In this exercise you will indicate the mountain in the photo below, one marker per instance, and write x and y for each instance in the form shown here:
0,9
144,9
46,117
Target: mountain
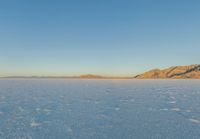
176,72
90,76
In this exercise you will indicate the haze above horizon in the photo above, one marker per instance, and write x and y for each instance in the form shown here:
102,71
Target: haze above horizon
105,37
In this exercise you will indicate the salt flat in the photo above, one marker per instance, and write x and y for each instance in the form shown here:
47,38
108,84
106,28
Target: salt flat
99,109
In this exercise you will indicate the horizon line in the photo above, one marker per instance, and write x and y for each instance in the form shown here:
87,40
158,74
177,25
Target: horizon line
82,76
87,75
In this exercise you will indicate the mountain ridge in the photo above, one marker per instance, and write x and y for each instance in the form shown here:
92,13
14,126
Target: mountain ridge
175,72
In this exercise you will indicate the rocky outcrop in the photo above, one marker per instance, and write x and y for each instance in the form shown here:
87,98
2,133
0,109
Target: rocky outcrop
177,72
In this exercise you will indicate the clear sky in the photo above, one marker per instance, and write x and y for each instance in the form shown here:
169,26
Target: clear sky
107,37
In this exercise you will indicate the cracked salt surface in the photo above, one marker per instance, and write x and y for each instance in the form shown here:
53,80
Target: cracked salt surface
164,109
195,121
99,109
172,102
175,109
69,130
34,124
117,109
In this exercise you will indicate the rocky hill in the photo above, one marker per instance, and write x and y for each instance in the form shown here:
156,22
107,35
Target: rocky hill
177,72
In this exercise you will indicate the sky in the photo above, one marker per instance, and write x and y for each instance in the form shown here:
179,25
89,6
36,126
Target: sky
105,37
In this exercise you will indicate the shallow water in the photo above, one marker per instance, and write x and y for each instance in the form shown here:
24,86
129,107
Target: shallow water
99,109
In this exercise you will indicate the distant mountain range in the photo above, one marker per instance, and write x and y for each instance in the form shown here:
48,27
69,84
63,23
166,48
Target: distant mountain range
176,72
84,76
92,76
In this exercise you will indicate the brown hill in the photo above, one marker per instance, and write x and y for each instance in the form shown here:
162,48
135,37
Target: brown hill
177,72
90,76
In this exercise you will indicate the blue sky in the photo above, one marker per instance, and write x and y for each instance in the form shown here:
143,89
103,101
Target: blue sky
107,37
